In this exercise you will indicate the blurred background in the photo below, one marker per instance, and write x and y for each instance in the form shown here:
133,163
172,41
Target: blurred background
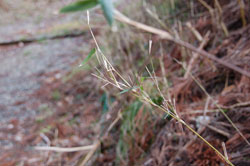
48,100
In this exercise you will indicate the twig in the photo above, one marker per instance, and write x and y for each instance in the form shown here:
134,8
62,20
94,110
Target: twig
165,35
98,142
220,12
59,149
195,55
224,149
210,9
195,32
119,116
91,153
156,17
199,112
243,104
242,12
217,130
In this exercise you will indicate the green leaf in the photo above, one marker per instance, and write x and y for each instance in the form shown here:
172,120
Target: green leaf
167,116
129,89
104,102
158,100
142,79
107,7
79,6
141,87
91,53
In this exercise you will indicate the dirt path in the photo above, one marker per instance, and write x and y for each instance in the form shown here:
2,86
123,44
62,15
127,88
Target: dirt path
23,67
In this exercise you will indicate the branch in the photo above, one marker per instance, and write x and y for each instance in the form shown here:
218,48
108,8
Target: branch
59,149
165,35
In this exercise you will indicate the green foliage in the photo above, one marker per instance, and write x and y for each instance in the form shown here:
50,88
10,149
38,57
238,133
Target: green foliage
79,6
56,95
129,115
46,129
158,100
128,90
105,103
168,117
225,110
128,128
91,53
107,7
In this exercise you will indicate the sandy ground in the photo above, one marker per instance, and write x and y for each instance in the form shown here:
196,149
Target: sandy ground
24,66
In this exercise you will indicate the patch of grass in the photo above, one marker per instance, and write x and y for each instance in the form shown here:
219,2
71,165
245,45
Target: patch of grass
56,95
127,130
46,111
46,129
27,52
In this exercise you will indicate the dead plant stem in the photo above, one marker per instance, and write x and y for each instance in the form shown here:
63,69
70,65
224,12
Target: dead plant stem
165,35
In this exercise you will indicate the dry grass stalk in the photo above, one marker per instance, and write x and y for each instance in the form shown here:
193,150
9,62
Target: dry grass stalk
90,154
189,112
195,32
223,26
168,106
195,55
224,149
243,104
156,17
210,9
217,130
242,12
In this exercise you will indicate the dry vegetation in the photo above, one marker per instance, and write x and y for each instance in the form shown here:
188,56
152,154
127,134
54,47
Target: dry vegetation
126,129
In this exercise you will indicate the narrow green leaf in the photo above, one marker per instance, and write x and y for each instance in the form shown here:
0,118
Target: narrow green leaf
105,103
79,6
167,116
91,53
142,79
107,7
129,89
141,87
125,91
158,100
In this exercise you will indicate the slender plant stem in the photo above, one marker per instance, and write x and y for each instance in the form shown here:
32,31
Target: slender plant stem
192,130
